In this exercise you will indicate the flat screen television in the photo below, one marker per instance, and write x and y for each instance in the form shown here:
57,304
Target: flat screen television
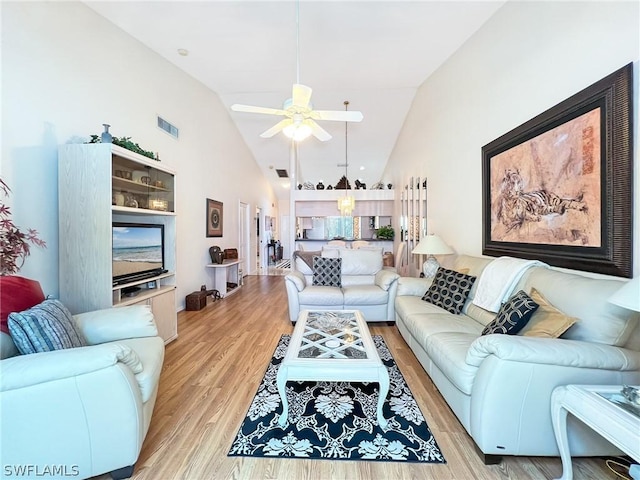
138,251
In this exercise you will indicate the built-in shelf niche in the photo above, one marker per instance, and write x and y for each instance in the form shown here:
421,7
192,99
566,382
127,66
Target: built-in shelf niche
412,223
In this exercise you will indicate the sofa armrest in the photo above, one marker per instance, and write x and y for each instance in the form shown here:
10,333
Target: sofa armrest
26,370
411,286
385,278
111,324
297,278
553,351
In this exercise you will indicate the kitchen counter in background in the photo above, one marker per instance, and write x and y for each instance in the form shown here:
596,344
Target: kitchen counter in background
315,245
309,244
325,240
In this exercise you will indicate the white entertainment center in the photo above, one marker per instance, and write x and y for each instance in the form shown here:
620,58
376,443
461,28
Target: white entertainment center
99,184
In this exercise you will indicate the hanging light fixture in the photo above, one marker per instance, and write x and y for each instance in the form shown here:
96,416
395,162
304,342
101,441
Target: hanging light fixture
299,129
347,203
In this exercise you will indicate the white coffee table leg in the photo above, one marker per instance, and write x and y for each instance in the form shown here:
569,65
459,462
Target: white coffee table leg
281,381
383,379
559,419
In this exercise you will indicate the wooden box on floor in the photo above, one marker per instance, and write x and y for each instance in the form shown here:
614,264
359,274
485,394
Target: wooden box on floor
196,300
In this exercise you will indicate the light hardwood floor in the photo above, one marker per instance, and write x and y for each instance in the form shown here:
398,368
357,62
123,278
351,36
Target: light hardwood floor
213,370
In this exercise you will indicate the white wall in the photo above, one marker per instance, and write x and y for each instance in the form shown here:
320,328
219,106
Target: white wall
65,71
527,58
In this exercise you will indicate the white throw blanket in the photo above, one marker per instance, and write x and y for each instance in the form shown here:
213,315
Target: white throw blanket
498,280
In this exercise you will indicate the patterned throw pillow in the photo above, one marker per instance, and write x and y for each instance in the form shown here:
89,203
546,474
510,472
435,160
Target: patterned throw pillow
513,315
449,290
326,271
47,326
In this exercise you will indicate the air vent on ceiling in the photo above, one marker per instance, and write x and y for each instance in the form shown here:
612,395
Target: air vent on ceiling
282,173
167,127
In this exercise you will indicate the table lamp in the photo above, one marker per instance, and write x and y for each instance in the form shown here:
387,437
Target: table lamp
431,245
628,296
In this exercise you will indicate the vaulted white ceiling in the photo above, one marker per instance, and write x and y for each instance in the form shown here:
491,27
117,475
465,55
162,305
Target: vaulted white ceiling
375,54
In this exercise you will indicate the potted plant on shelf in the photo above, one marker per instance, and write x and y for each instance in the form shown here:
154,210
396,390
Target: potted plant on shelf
126,142
385,233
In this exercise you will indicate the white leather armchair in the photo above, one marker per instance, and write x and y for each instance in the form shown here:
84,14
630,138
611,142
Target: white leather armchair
85,411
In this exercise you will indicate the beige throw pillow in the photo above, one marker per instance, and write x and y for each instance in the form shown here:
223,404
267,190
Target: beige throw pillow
547,321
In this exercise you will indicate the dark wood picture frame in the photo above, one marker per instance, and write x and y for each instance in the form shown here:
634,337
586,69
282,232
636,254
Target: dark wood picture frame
214,218
514,201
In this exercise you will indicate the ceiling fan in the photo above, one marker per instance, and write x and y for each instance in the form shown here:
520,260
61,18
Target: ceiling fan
300,121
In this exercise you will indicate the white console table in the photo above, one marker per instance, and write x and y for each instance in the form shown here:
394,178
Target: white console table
593,405
225,273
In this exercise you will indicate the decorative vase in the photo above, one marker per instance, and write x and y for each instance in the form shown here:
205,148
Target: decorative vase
320,186
118,198
106,137
130,202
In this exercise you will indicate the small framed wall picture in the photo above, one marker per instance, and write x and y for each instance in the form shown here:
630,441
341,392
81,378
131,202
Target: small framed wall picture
214,218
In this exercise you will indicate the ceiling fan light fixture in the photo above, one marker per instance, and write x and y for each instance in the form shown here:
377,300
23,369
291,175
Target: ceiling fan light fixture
297,131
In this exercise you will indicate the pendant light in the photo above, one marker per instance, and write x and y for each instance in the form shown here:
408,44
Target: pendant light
347,203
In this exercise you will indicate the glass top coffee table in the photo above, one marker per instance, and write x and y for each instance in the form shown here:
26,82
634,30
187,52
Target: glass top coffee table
332,346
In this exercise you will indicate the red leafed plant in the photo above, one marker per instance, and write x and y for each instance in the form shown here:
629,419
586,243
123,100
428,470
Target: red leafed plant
15,245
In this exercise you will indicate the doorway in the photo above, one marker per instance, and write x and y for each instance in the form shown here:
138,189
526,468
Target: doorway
244,238
258,237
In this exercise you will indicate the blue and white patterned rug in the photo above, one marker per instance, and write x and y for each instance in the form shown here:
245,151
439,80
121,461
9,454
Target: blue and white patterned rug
336,420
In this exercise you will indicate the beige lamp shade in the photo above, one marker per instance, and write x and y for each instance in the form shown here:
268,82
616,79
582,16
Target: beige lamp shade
432,245
628,296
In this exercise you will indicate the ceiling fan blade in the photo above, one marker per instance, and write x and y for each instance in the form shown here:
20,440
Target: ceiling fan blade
346,116
252,109
276,128
301,95
317,131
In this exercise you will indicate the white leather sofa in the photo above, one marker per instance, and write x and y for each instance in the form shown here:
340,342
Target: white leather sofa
499,386
84,411
366,286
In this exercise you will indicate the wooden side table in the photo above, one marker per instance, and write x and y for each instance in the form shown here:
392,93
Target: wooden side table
595,406
226,277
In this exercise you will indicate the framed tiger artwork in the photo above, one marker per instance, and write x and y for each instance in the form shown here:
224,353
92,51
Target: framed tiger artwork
559,188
